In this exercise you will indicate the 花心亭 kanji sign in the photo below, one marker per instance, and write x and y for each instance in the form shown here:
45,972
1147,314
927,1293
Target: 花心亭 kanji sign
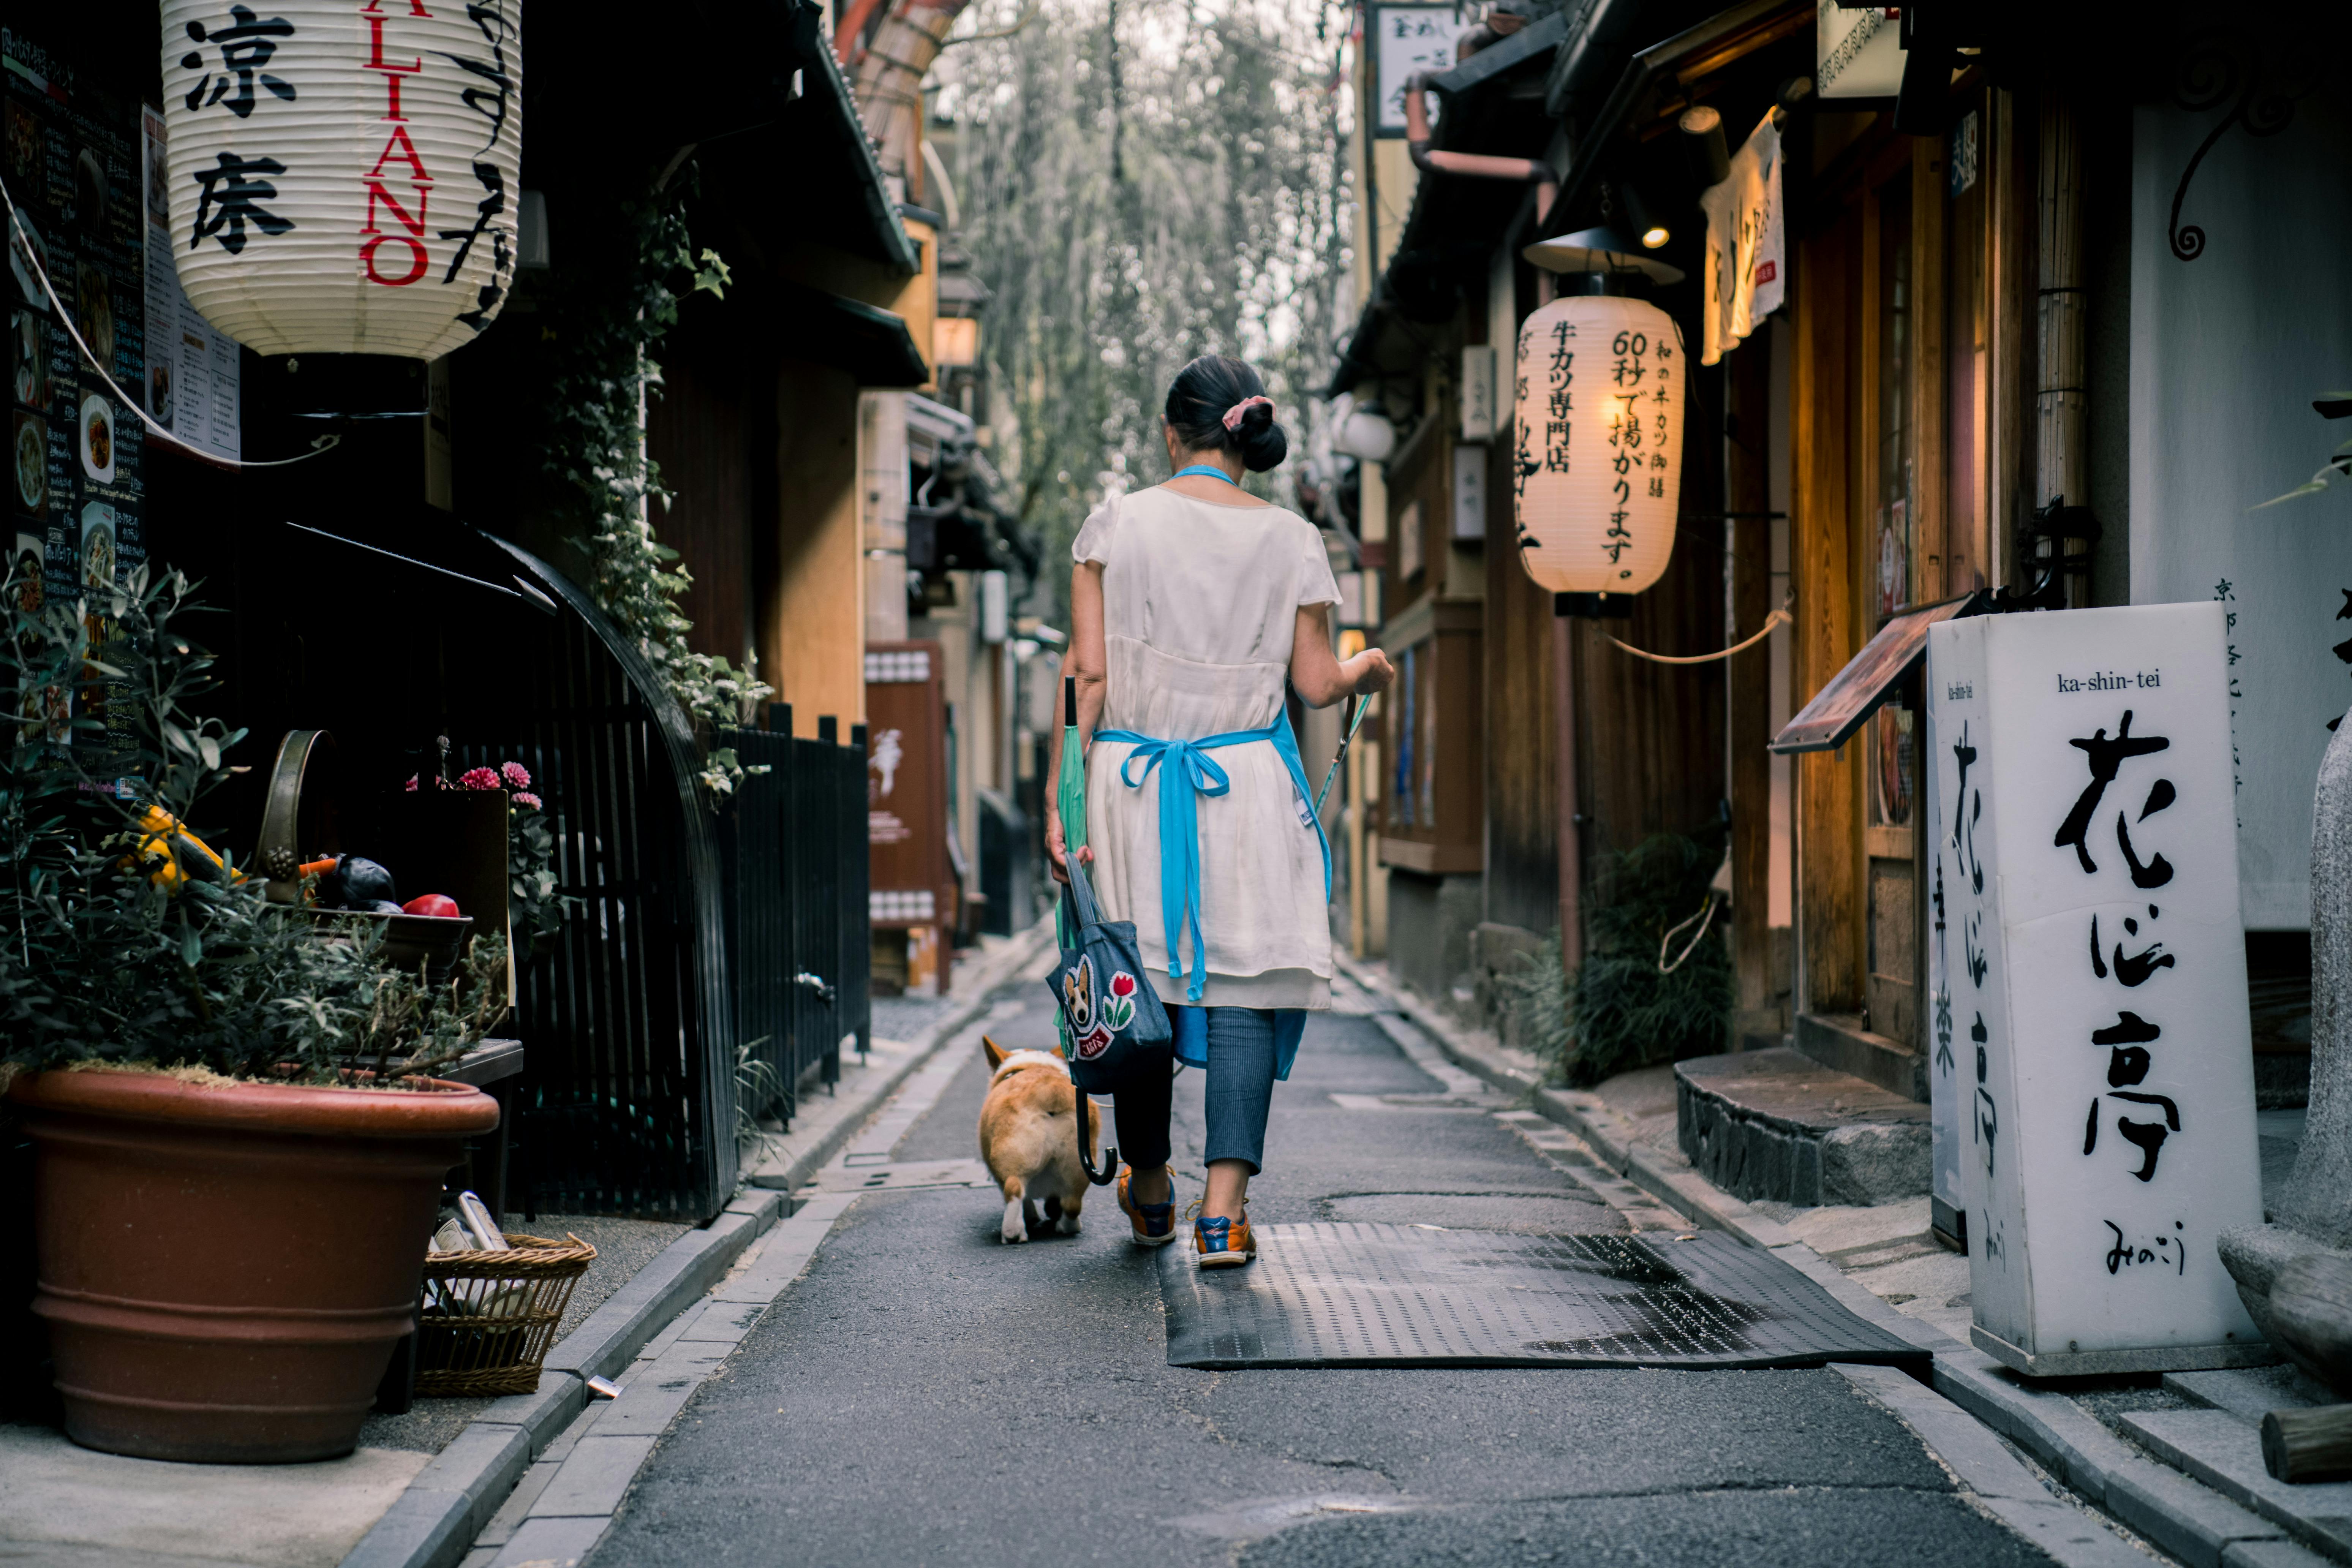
2091,1033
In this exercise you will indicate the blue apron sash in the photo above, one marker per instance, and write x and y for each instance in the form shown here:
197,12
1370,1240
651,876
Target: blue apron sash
1186,770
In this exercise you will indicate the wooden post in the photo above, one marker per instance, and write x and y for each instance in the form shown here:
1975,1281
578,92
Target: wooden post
1930,449
1829,827
1571,851
2010,216
1747,713
2061,420
2313,1445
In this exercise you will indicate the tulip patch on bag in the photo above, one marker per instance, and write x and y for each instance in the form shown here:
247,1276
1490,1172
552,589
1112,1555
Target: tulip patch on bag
1119,1008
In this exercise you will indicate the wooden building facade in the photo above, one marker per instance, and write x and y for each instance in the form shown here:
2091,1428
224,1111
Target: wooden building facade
2051,321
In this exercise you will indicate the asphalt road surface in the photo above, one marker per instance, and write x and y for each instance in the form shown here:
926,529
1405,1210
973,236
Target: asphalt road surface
928,1395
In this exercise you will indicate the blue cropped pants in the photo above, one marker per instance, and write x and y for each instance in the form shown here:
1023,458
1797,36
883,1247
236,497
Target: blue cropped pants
1239,1095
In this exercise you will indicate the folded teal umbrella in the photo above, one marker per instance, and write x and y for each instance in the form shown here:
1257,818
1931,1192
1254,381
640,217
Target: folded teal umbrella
1363,706
1070,801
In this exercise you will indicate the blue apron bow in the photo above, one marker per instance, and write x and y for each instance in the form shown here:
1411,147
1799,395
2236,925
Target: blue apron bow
1185,771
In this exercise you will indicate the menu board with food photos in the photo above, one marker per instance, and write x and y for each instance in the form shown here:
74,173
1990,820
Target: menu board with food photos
192,365
71,163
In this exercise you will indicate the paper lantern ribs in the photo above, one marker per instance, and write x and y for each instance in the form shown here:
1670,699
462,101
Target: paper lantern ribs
1596,465
344,178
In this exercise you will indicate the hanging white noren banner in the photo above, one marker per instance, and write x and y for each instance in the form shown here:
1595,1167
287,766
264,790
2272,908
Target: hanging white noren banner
1744,277
1597,427
345,177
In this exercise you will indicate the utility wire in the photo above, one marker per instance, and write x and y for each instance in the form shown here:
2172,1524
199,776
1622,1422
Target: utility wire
21,233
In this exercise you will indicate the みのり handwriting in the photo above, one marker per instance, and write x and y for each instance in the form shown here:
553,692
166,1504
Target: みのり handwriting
2168,1251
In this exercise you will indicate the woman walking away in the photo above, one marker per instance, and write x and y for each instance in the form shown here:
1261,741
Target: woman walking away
1189,603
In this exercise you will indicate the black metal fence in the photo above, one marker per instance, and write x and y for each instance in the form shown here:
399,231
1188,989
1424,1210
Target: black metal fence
703,940
793,860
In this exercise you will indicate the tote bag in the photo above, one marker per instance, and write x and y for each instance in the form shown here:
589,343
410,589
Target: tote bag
1107,1007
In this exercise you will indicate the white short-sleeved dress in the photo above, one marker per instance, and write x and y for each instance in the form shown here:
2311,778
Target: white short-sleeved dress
1201,601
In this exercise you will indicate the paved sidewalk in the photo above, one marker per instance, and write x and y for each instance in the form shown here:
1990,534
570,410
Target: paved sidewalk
422,1484
827,1121
66,1507
2176,1458
526,1459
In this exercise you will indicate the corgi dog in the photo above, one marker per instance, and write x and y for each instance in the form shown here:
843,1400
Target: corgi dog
1027,1142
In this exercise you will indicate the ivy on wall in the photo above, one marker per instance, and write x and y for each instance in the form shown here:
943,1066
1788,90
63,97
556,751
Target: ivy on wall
604,319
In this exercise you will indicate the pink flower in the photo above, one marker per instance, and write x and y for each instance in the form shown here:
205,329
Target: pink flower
526,800
477,778
515,775
411,783
1122,984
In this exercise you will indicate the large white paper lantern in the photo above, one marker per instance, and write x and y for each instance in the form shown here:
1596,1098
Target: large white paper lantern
345,177
1598,434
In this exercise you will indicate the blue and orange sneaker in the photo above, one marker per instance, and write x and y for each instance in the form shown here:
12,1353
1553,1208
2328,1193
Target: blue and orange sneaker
1152,1225
1223,1243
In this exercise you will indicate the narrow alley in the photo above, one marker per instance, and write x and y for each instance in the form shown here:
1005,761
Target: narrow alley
1653,692
928,1395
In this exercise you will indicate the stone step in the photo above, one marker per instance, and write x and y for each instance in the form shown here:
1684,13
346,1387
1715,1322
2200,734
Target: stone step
1840,1040
1778,1125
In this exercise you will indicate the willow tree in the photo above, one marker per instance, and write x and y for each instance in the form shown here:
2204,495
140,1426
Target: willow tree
1142,183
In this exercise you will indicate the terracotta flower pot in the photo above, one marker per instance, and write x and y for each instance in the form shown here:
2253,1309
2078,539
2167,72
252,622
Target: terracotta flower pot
224,1269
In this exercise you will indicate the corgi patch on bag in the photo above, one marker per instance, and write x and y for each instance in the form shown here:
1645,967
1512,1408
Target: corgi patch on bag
1095,1018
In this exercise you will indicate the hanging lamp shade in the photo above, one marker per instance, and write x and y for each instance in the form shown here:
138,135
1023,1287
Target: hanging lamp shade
345,177
1600,249
1599,433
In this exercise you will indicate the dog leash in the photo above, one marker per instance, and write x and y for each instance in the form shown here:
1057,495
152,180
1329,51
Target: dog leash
1363,706
1109,1168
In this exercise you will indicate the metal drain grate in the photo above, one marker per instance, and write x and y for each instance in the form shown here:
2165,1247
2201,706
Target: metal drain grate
1364,1295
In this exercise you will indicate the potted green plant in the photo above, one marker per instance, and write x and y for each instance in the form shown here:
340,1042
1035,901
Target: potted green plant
238,1142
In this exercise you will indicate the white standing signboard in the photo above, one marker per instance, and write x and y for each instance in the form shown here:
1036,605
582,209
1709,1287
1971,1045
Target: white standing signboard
2096,970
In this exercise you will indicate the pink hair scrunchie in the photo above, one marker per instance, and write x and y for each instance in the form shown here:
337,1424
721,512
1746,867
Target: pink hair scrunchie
1234,415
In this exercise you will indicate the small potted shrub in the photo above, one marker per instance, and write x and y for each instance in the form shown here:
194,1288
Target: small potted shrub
238,1142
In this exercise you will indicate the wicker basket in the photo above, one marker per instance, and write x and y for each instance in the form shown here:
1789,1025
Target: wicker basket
490,1317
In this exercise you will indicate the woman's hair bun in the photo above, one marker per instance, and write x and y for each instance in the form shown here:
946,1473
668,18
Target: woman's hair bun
1259,439
1209,388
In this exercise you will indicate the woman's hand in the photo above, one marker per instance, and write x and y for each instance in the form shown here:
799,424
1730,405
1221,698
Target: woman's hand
1318,673
1368,671
1057,848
